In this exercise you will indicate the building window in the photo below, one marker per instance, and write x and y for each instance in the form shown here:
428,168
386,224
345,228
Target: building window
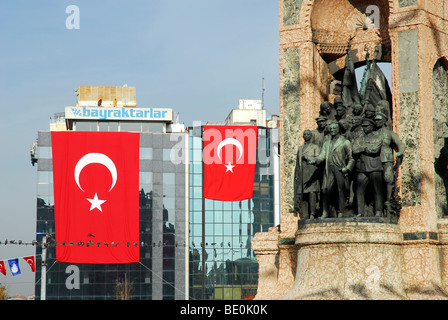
145,153
44,152
86,125
130,126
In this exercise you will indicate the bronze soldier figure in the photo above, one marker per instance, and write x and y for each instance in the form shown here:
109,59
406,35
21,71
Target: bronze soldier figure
319,135
390,142
368,166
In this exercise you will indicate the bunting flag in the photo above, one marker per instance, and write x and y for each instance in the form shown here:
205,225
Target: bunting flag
2,268
14,266
30,261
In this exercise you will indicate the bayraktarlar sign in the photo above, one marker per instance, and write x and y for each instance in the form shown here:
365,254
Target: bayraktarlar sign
119,113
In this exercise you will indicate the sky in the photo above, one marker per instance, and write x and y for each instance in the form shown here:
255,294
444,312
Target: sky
198,57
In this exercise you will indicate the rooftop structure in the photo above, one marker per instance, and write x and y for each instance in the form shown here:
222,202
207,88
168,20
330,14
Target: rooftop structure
105,96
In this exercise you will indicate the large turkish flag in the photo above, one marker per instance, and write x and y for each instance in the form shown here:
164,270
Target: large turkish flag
229,157
96,196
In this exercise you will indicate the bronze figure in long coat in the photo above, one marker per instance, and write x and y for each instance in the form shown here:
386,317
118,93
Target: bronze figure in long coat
306,178
336,153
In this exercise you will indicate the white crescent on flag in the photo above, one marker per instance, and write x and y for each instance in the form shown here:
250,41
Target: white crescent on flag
230,141
101,159
96,158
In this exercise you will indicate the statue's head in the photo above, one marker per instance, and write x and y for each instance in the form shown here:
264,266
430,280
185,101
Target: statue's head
367,125
325,107
333,128
357,109
356,121
369,110
337,101
307,134
340,109
380,119
321,122
344,124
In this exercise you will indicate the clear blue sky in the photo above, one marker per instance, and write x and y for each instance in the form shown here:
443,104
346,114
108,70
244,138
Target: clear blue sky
198,57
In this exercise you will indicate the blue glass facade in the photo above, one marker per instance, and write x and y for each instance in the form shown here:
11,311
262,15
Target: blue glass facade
222,263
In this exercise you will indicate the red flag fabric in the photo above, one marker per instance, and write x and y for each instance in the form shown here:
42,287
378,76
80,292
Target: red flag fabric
30,261
96,196
229,157
2,267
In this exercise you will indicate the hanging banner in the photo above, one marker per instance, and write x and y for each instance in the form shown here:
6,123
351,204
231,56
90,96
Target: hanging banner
96,196
229,157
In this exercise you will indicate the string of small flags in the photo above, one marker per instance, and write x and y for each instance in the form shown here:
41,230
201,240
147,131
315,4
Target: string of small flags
14,265
113,244
93,243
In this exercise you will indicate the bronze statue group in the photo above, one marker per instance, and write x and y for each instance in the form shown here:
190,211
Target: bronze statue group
349,163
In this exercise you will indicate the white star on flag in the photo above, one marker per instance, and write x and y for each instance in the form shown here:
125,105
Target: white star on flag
229,167
96,203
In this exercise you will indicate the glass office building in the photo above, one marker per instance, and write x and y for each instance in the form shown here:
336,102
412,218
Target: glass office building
190,247
161,272
222,264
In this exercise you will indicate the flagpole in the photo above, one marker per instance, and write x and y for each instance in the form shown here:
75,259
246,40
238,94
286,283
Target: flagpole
43,279
204,274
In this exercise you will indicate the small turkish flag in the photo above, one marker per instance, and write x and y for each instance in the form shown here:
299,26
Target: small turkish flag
96,196
229,157
30,261
2,268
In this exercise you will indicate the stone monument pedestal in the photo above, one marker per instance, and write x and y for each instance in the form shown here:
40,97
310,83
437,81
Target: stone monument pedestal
353,258
365,258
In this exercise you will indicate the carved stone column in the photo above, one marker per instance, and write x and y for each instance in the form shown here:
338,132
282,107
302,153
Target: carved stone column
266,248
